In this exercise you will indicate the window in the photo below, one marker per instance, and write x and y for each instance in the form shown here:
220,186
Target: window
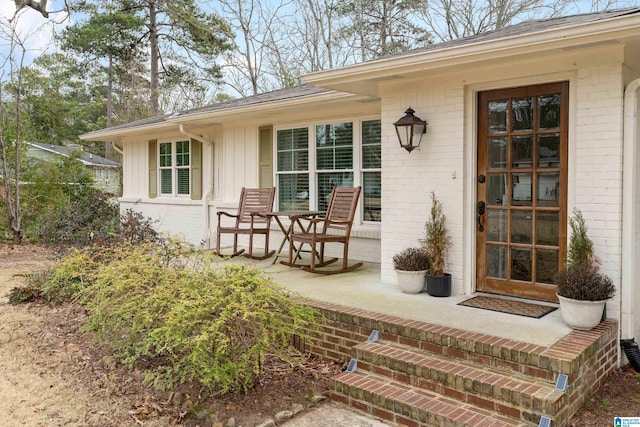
293,168
173,163
371,170
334,160
312,160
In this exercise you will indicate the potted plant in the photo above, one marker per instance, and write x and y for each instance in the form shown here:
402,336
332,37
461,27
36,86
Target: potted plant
411,266
582,290
436,245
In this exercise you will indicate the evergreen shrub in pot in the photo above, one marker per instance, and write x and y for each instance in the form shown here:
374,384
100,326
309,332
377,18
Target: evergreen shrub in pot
436,244
411,267
581,289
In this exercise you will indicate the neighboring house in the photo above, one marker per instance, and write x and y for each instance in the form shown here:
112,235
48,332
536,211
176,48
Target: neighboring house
533,120
105,172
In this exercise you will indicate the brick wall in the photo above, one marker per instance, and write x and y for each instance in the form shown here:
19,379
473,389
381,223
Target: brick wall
597,175
409,179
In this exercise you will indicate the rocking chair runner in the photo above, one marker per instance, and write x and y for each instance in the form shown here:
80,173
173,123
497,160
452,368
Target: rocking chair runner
334,228
251,219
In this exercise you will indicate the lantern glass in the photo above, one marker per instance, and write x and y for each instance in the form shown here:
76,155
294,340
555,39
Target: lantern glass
410,130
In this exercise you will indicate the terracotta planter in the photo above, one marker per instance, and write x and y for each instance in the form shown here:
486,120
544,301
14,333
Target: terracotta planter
411,282
439,286
581,315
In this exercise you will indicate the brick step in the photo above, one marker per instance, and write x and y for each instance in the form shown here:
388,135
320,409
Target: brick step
520,397
410,406
504,354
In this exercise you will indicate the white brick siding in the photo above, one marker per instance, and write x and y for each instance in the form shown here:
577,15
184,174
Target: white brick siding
597,177
409,178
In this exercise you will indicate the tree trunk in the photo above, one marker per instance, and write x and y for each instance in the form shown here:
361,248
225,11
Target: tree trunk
153,42
107,144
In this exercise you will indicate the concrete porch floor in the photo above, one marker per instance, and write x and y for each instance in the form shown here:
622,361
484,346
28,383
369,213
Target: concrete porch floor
364,289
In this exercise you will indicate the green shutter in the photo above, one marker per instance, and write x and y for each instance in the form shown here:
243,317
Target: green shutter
265,141
153,168
196,170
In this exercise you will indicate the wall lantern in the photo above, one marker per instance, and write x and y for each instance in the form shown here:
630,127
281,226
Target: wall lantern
410,130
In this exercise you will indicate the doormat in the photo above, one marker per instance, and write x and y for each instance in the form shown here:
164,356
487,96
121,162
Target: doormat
518,308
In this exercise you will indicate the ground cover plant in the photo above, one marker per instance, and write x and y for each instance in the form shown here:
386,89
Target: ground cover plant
183,315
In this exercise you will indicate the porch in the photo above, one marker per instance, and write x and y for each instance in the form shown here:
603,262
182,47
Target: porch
438,363
363,289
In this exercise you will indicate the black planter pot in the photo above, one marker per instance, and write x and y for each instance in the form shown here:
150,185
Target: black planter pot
439,286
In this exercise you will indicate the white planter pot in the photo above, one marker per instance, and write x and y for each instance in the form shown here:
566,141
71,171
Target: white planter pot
581,315
411,282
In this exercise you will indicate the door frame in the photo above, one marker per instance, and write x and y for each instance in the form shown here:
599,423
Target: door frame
473,112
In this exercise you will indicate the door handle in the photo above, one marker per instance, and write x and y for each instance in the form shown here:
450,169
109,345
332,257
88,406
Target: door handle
481,210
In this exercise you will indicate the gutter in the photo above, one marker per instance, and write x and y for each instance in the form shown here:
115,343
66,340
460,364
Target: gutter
118,149
631,130
205,196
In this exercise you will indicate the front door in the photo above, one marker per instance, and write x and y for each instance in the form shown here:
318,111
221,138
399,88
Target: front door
521,219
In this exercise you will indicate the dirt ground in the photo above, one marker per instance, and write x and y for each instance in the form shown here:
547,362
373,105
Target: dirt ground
53,375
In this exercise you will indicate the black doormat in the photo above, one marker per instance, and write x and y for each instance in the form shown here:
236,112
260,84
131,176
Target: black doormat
509,306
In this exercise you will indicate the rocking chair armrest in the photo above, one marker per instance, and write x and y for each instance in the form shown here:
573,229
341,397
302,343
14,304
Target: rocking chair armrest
318,220
220,213
261,215
339,222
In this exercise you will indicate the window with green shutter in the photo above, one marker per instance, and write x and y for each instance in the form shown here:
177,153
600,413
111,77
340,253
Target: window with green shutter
174,168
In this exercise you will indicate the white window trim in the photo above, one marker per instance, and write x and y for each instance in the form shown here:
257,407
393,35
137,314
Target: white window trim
174,169
357,169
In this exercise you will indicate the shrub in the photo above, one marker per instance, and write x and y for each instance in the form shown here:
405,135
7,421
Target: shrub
411,259
187,321
69,277
582,283
135,228
580,252
437,240
30,292
87,216
581,279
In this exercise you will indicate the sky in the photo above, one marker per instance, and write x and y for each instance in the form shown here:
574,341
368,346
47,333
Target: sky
35,30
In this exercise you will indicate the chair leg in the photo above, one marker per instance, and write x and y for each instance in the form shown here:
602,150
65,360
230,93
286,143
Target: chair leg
345,254
251,245
218,241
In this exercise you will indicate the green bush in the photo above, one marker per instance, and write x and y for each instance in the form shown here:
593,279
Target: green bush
210,323
88,216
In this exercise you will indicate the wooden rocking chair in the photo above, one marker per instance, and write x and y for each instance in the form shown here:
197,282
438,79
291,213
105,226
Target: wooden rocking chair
251,219
334,228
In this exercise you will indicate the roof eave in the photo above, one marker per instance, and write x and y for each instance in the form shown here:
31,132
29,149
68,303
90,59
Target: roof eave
116,135
215,116
558,38
224,114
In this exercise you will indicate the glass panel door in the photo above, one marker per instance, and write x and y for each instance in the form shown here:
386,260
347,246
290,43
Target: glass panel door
521,189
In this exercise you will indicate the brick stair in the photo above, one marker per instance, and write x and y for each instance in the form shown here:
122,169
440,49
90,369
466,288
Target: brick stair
437,379
409,406
422,374
521,397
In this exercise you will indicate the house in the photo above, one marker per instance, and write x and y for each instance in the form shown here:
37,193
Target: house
530,121
105,172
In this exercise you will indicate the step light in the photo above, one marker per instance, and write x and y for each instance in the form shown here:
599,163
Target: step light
374,336
353,366
544,422
562,382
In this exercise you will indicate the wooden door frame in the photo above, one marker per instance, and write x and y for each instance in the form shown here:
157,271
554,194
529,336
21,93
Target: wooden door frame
524,289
